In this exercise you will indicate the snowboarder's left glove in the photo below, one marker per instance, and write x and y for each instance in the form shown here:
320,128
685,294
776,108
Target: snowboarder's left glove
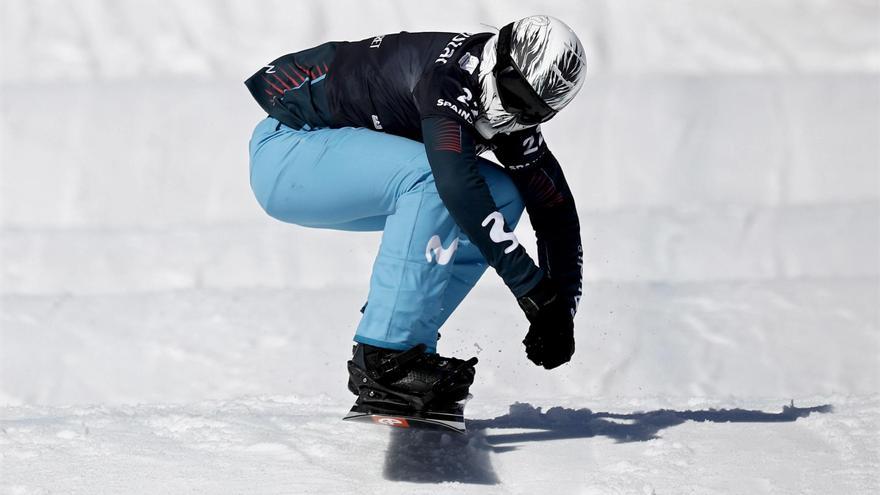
550,340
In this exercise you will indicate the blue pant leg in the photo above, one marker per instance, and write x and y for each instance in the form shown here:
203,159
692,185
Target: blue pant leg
357,179
411,271
426,265
268,149
342,179
469,263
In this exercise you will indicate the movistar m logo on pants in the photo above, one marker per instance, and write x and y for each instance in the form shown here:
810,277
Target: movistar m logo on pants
435,250
497,232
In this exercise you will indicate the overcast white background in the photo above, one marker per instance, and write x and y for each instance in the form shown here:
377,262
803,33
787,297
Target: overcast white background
725,158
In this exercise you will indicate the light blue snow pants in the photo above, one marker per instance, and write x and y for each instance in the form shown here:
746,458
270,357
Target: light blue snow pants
357,179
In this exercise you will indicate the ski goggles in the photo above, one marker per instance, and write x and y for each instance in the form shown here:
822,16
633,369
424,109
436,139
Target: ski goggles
517,96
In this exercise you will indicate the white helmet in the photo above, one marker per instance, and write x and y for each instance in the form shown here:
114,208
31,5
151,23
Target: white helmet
528,72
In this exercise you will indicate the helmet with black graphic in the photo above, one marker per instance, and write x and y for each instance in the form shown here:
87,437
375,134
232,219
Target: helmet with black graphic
529,71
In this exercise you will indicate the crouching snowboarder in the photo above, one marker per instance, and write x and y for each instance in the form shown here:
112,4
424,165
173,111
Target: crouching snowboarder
386,134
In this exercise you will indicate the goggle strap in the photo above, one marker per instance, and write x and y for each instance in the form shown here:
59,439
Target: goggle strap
502,55
503,60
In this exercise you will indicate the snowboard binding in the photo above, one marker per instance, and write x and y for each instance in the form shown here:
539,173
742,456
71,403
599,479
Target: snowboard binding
410,379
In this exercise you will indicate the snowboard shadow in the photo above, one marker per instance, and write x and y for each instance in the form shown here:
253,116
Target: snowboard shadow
421,456
435,457
563,423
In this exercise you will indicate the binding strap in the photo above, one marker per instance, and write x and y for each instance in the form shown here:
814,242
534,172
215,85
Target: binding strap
394,364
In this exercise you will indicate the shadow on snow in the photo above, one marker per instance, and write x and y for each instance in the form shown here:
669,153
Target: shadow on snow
435,457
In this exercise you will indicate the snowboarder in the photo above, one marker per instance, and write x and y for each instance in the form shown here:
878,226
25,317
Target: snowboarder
386,134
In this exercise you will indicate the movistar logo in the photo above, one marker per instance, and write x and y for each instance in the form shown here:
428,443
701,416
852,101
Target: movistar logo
435,250
497,232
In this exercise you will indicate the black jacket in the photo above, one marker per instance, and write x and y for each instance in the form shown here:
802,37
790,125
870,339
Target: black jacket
424,86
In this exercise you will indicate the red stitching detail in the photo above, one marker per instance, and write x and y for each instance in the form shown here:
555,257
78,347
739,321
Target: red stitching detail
281,81
280,91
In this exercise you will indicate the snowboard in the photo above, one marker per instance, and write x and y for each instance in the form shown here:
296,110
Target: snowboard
449,418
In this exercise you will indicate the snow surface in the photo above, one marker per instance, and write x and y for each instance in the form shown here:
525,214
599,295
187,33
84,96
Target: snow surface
160,334
293,444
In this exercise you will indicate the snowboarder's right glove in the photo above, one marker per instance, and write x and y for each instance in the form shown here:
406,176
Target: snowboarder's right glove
550,340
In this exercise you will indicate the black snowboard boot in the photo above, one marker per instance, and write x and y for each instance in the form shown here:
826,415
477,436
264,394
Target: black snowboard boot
410,378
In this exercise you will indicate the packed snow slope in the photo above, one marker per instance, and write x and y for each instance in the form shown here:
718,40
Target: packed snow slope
160,334
289,444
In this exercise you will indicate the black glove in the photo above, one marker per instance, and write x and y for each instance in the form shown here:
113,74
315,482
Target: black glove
550,341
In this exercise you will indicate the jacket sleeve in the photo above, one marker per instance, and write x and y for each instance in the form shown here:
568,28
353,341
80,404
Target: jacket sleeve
551,208
451,150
